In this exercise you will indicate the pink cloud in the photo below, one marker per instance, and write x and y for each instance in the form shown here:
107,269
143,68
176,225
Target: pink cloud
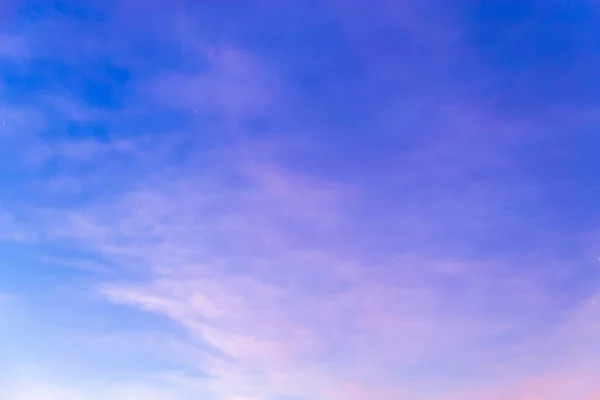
260,271
288,317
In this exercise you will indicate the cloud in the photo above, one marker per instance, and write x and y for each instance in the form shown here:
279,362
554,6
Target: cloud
13,47
30,390
236,85
284,314
308,233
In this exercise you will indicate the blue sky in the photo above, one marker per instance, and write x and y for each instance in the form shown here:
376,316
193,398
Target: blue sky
299,200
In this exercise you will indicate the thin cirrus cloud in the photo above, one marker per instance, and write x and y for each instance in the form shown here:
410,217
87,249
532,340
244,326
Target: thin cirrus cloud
332,201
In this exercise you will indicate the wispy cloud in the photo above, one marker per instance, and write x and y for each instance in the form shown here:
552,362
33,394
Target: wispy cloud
354,215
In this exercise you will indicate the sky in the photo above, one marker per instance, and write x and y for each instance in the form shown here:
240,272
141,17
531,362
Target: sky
299,200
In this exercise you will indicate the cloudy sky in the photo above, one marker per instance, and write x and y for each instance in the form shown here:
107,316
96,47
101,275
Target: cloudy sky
299,200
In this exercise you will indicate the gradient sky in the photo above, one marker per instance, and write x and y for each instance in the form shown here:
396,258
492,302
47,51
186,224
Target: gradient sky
300,200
